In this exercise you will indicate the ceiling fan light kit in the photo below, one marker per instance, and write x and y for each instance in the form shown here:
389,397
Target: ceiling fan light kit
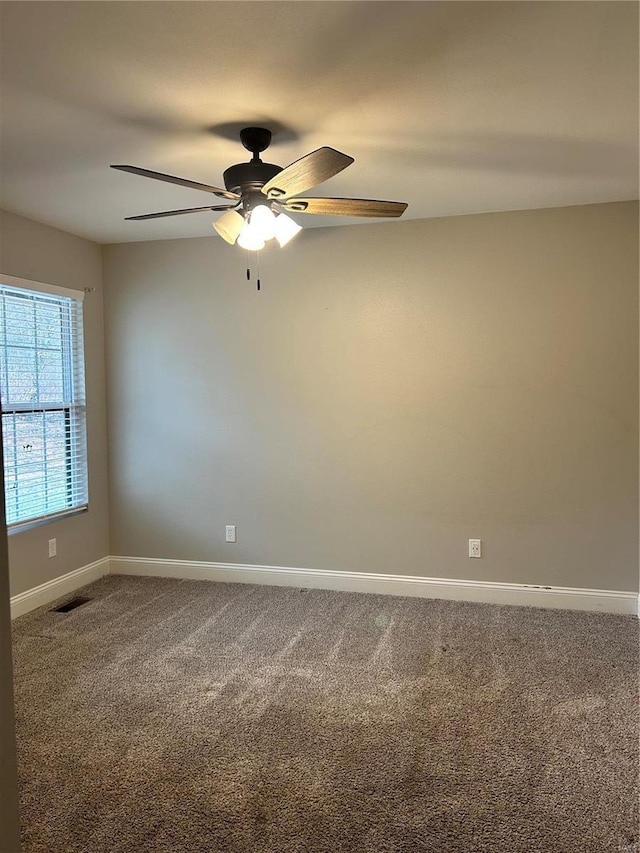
251,239
229,226
263,221
286,229
259,194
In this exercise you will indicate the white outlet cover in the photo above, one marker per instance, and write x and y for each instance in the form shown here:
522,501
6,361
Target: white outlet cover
230,533
475,548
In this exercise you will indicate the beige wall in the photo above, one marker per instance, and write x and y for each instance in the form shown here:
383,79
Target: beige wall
34,251
395,389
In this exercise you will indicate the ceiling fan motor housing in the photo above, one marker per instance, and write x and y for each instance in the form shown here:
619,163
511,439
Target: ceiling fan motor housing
249,177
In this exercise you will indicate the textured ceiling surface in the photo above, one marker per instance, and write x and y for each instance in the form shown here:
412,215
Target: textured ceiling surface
454,107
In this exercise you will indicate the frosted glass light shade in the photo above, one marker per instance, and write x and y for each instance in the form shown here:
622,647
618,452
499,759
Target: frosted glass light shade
264,222
250,239
285,229
229,226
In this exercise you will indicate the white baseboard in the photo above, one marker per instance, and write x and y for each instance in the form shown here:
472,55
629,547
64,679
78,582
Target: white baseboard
49,591
568,598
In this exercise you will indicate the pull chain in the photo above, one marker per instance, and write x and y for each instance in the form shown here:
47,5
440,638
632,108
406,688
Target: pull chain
249,268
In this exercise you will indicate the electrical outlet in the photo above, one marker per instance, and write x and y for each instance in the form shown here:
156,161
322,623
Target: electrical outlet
475,547
53,547
230,533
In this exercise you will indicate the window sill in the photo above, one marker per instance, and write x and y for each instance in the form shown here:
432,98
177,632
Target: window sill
22,526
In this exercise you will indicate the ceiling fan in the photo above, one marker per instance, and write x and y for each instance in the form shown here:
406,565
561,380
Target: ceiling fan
261,193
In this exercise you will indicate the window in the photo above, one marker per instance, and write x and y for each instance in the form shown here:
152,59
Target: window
43,400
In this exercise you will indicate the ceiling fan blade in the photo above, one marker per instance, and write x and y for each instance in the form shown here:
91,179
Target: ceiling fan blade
345,206
178,212
307,172
171,179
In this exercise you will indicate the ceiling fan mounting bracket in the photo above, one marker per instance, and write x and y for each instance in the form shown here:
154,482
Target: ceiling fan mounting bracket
255,139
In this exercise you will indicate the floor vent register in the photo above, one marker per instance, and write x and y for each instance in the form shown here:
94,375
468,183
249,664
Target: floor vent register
70,605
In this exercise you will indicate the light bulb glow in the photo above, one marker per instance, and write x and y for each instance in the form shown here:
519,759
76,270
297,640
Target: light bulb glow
250,239
229,226
264,222
285,229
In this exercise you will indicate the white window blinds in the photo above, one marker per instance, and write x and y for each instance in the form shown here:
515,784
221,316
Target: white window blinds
43,401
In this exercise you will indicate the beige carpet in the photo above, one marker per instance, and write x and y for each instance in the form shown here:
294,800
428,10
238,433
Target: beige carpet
187,717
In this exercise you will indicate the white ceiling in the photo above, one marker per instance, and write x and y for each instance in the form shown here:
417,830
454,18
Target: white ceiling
454,107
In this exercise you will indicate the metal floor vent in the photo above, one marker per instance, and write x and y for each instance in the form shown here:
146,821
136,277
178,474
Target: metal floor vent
70,605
